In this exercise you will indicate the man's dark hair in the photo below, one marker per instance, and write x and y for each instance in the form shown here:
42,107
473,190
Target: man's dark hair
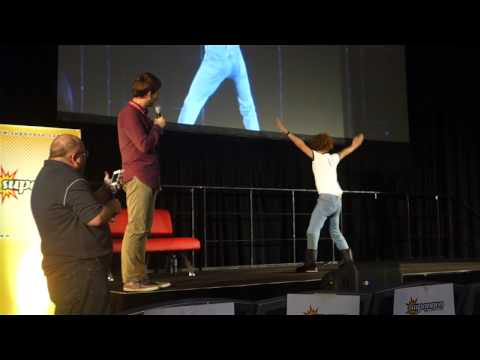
144,83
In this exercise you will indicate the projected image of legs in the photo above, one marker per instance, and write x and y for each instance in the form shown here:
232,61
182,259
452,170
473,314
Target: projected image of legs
220,62
65,98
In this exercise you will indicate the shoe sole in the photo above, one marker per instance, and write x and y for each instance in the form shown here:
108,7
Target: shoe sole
158,286
163,285
141,290
306,271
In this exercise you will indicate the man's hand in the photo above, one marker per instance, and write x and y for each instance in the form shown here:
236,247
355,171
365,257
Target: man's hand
107,180
280,126
109,210
161,122
299,143
114,205
356,142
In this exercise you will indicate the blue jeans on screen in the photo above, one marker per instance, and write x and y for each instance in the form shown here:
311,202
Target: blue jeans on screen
219,63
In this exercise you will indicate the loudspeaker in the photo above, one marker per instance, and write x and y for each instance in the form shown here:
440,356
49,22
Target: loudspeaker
363,277
345,278
379,276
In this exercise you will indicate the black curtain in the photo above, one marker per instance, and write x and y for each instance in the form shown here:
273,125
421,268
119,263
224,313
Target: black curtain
443,98
28,86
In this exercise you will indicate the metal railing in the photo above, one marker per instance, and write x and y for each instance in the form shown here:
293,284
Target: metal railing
203,190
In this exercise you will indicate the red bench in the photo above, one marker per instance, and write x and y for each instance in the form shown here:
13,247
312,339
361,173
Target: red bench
160,239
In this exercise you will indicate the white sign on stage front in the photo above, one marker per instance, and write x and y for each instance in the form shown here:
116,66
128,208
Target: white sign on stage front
424,300
323,304
204,309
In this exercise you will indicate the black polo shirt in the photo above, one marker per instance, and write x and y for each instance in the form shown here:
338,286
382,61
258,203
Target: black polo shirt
62,205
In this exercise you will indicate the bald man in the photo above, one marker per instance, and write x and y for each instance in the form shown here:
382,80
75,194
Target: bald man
73,225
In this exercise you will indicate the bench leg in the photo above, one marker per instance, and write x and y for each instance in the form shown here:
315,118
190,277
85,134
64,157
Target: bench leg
188,264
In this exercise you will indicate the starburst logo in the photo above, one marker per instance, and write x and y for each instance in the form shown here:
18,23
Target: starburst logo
412,307
311,311
10,186
5,177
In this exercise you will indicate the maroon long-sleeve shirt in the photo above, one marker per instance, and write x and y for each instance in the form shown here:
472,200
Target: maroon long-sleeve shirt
138,139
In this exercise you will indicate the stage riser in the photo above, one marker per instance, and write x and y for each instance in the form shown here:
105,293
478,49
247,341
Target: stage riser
458,278
123,302
251,288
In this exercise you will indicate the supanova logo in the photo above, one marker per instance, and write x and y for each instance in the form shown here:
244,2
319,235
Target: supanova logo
415,308
11,187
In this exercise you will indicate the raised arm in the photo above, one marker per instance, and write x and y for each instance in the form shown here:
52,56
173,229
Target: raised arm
299,143
356,143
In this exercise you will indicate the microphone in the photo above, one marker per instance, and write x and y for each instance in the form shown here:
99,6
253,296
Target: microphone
158,112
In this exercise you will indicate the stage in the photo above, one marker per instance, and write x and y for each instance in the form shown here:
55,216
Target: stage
248,284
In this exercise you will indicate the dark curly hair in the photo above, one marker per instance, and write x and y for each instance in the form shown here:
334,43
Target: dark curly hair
321,143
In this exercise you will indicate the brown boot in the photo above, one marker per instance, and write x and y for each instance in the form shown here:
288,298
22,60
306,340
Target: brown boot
310,264
347,256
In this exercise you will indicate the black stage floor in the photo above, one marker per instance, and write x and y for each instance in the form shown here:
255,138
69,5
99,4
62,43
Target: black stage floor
263,282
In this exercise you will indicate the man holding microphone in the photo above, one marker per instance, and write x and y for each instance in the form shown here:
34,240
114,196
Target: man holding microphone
138,137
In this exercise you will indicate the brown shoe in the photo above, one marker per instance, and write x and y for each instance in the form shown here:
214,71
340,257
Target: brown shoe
347,256
310,264
147,281
138,286
307,269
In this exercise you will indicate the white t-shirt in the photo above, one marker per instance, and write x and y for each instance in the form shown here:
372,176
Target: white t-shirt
324,168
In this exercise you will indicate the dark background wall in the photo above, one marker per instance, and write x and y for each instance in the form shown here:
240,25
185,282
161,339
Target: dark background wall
442,159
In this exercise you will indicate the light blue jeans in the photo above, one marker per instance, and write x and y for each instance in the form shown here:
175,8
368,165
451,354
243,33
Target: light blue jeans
219,63
328,207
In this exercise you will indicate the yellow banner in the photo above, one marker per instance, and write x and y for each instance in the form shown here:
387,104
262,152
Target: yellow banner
23,287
